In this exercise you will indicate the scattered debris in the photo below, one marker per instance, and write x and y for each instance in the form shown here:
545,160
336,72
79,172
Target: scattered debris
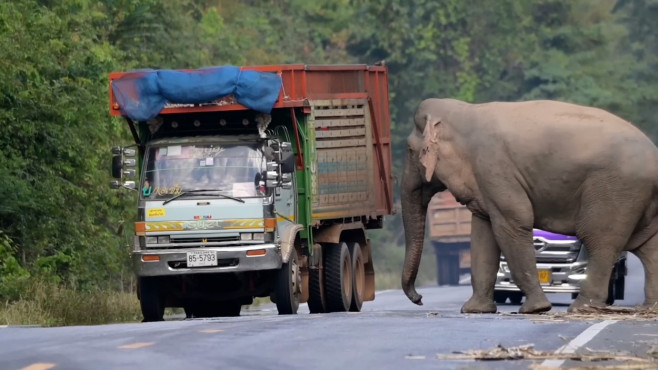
598,313
528,352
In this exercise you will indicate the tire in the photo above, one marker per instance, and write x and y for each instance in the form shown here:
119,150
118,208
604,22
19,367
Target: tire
515,298
500,297
151,300
448,270
611,293
204,309
620,287
317,302
288,286
338,278
358,277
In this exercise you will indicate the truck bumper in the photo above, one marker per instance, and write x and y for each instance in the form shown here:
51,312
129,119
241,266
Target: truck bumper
563,278
230,259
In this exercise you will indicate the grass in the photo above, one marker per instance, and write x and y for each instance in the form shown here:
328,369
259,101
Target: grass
47,304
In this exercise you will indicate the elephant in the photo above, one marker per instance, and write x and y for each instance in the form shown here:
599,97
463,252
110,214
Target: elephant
556,166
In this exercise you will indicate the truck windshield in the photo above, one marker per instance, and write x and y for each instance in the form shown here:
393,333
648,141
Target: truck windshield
229,168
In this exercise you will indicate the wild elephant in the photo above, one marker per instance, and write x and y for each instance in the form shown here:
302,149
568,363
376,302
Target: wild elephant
550,165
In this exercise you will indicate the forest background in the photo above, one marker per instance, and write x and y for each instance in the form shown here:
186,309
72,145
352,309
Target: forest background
65,237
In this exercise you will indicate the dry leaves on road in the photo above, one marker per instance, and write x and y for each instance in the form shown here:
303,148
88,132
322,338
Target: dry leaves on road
528,352
603,313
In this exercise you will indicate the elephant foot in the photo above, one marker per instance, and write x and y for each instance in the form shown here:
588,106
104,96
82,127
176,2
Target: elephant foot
650,305
536,305
479,305
586,305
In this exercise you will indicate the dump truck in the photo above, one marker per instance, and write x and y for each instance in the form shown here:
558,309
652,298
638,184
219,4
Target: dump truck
450,235
254,181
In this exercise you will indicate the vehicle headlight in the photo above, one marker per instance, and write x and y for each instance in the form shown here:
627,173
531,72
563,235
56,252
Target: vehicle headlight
151,240
163,239
252,236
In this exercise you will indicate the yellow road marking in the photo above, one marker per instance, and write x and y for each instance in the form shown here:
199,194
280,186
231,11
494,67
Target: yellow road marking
210,331
136,345
39,366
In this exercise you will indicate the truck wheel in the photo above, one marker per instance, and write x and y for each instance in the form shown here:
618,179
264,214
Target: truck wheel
448,270
151,300
338,278
500,297
515,298
611,293
358,277
620,286
317,302
288,286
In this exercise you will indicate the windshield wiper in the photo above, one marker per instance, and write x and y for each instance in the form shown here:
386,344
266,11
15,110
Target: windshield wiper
187,192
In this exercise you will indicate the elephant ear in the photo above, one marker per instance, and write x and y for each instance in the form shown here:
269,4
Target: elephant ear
429,151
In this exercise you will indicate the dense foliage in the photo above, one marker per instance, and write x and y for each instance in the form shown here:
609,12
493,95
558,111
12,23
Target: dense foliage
60,222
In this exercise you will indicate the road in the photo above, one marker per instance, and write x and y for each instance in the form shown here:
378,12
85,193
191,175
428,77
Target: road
389,333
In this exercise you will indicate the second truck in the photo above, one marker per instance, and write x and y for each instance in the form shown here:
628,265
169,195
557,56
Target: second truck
256,181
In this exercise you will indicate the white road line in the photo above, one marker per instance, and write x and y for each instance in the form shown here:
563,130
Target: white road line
579,341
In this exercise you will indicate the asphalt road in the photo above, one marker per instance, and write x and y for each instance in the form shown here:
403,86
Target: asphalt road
389,333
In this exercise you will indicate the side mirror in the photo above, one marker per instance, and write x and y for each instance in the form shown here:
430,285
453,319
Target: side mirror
117,166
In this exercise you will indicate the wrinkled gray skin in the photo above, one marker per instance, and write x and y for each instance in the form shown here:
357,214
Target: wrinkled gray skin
555,166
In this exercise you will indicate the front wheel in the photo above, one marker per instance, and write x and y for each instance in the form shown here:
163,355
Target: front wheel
288,286
151,300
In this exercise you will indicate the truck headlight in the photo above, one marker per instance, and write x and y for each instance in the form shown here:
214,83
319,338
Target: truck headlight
252,236
163,239
151,240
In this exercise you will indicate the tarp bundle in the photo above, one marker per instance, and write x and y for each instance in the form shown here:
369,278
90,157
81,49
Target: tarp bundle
143,94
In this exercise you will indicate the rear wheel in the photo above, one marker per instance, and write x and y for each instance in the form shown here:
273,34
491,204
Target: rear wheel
288,286
338,278
500,297
317,302
151,300
358,277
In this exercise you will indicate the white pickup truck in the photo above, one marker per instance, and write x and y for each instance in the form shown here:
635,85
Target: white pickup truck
561,266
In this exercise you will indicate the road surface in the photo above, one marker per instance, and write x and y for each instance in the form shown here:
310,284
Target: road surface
389,333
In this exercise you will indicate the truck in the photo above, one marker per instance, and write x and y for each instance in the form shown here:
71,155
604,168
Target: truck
561,259
561,268
450,235
254,181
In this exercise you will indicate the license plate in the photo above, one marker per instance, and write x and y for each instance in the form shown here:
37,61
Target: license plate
544,276
201,258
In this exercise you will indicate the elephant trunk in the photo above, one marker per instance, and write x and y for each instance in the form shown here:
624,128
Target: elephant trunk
414,211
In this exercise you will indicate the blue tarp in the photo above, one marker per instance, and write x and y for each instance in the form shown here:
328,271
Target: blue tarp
142,94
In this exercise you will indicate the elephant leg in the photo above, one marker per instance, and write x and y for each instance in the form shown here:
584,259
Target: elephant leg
648,255
602,253
604,242
485,255
514,236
